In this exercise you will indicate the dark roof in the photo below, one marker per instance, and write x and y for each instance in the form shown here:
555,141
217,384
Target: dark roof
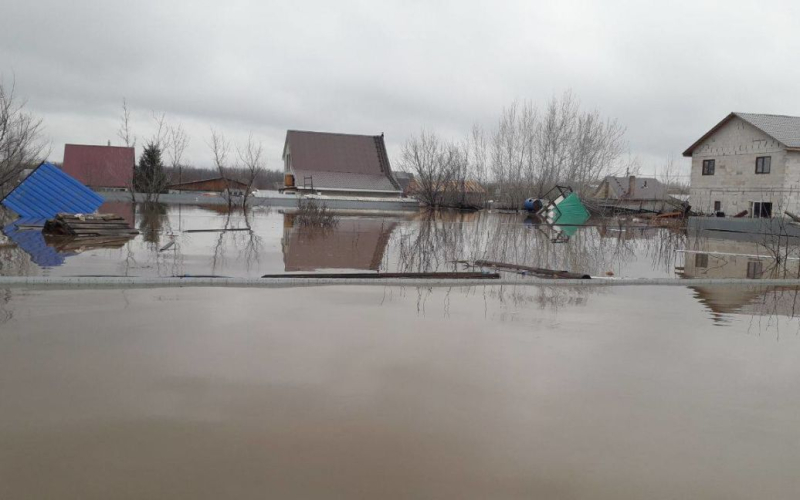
340,161
784,129
100,166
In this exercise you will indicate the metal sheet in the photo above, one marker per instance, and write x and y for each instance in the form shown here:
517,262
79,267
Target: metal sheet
48,191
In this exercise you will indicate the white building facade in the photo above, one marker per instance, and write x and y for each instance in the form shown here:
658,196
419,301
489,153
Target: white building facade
747,162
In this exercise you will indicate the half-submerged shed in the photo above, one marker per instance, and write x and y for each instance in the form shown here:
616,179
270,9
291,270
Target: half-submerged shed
338,164
632,193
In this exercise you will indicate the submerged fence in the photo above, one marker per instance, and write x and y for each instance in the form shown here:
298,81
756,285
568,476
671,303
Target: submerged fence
114,282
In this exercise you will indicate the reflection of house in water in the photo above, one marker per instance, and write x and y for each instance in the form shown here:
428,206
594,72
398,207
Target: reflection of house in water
741,256
355,243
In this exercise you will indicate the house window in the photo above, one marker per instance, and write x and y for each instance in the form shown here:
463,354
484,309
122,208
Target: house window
762,209
701,260
754,269
708,167
717,206
763,164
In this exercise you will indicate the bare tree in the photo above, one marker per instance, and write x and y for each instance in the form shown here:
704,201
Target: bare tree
220,149
251,158
432,163
178,141
669,174
21,143
125,133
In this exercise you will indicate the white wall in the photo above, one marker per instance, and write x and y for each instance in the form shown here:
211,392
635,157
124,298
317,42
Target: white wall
735,147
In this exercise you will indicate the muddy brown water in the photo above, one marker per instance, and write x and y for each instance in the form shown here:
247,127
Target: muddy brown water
373,392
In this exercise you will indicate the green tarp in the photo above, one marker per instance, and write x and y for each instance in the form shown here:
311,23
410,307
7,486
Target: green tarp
569,214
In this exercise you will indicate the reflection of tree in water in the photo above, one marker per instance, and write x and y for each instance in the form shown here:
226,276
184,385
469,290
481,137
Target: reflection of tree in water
248,244
438,240
152,221
5,312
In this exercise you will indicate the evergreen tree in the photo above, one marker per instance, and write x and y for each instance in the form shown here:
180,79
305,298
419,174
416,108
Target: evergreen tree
149,176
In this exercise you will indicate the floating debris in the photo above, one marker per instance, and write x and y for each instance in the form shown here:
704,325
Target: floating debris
536,271
167,246
221,230
435,275
89,226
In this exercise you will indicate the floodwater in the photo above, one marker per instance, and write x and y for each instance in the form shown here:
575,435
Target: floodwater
382,392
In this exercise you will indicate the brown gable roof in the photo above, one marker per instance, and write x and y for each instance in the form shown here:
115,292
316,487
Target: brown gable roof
327,157
100,166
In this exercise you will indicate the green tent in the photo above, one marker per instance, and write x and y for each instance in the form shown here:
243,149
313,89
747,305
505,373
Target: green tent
569,213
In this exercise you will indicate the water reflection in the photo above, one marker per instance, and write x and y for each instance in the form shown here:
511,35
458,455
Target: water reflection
354,243
711,254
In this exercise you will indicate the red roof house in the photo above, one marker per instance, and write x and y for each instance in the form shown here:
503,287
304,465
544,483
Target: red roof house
100,166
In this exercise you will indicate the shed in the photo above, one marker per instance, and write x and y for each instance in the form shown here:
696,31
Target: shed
100,166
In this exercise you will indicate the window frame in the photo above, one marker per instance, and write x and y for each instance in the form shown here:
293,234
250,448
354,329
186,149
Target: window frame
718,206
755,269
766,161
709,166
701,261
757,214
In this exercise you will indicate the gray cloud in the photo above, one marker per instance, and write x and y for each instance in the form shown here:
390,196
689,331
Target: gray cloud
667,71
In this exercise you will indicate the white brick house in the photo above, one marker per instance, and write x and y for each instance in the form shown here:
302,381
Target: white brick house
747,162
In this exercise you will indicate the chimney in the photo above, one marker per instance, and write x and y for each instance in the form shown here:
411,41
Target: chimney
631,186
109,142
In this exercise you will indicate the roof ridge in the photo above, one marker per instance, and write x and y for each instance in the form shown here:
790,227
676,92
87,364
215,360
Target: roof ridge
98,146
330,133
739,113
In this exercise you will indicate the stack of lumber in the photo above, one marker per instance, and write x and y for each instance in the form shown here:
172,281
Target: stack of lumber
88,226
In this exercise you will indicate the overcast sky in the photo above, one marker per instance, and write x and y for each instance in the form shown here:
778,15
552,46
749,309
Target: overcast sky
668,71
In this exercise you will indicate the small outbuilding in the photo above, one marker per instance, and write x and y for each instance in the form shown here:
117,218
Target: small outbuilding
645,194
100,167
338,165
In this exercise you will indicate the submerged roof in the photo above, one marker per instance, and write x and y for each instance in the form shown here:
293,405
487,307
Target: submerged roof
784,129
644,188
100,166
340,161
48,191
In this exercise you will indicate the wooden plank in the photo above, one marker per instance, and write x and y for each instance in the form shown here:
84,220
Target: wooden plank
538,271
435,275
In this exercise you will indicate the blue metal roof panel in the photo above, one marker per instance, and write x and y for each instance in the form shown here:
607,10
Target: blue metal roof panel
48,191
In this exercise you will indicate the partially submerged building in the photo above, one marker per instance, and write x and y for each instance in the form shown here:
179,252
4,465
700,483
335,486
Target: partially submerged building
747,162
100,167
633,193
338,165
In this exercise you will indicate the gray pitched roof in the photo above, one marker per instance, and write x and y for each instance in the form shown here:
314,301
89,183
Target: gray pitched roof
645,188
784,129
